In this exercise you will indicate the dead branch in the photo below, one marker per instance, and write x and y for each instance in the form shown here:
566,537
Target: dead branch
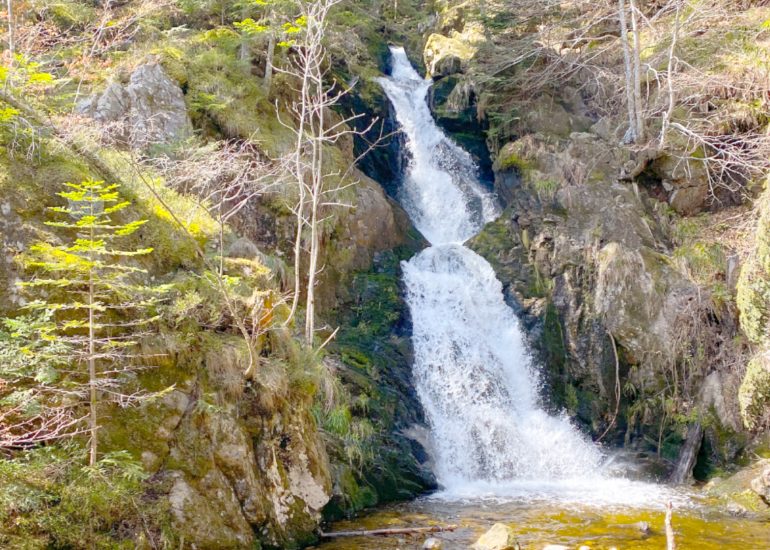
670,542
390,531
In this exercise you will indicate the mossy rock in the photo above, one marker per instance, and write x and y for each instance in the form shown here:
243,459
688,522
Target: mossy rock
736,489
445,56
510,158
754,393
753,291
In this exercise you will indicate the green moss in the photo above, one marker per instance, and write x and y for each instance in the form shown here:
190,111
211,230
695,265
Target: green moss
753,291
225,99
546,188
754,393
68,14
512,161
571,399
553,339
357,495
173,61
48,499
379,465
704,261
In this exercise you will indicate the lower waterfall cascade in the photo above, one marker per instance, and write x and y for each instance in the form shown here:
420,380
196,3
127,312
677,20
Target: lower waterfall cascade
473,373
472,370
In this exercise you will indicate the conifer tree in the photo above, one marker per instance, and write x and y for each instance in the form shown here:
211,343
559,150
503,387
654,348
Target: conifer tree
97,302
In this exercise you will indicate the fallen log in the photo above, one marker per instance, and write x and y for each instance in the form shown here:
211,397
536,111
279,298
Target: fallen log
670,542
386,532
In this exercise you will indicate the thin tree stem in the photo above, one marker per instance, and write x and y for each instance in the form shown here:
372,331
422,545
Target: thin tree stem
92,352
637,72
630,100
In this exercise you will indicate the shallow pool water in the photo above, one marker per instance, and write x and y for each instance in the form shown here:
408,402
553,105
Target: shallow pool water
537,523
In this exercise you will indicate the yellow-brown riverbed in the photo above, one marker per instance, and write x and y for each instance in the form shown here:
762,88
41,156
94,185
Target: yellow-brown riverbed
698,526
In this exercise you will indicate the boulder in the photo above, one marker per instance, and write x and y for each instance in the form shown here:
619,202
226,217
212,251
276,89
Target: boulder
208,514
761,485
243,247
742,493
112,105
158,112
446,56
149,110
687,181
499,537
638,296
717,395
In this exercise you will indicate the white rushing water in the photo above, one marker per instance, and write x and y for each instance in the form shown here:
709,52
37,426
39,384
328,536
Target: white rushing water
490,436
472,369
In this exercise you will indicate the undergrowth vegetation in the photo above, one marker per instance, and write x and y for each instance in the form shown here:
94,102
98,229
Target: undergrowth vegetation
223,345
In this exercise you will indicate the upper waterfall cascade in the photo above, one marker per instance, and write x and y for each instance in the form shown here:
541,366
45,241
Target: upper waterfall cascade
472,370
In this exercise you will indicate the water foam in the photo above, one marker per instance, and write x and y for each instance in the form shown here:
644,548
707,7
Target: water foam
472,370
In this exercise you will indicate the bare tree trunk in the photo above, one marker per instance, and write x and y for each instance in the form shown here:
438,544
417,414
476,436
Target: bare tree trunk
312,134
637,72
669,77
243,50
630,100
93,421
269,62
316,196
299,174
9,8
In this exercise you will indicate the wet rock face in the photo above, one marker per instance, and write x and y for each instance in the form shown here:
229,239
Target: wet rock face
636,296
584,254
375,225
149,110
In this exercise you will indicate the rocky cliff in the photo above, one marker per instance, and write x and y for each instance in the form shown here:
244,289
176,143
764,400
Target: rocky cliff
622,259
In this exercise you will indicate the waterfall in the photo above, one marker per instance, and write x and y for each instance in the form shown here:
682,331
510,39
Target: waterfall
472,370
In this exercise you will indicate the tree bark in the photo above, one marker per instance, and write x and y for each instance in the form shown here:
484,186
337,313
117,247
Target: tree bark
316,195
630,100
637,72
9,7
669,77
93,421
269,62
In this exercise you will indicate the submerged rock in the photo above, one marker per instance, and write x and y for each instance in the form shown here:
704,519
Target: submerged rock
499,537
432,544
